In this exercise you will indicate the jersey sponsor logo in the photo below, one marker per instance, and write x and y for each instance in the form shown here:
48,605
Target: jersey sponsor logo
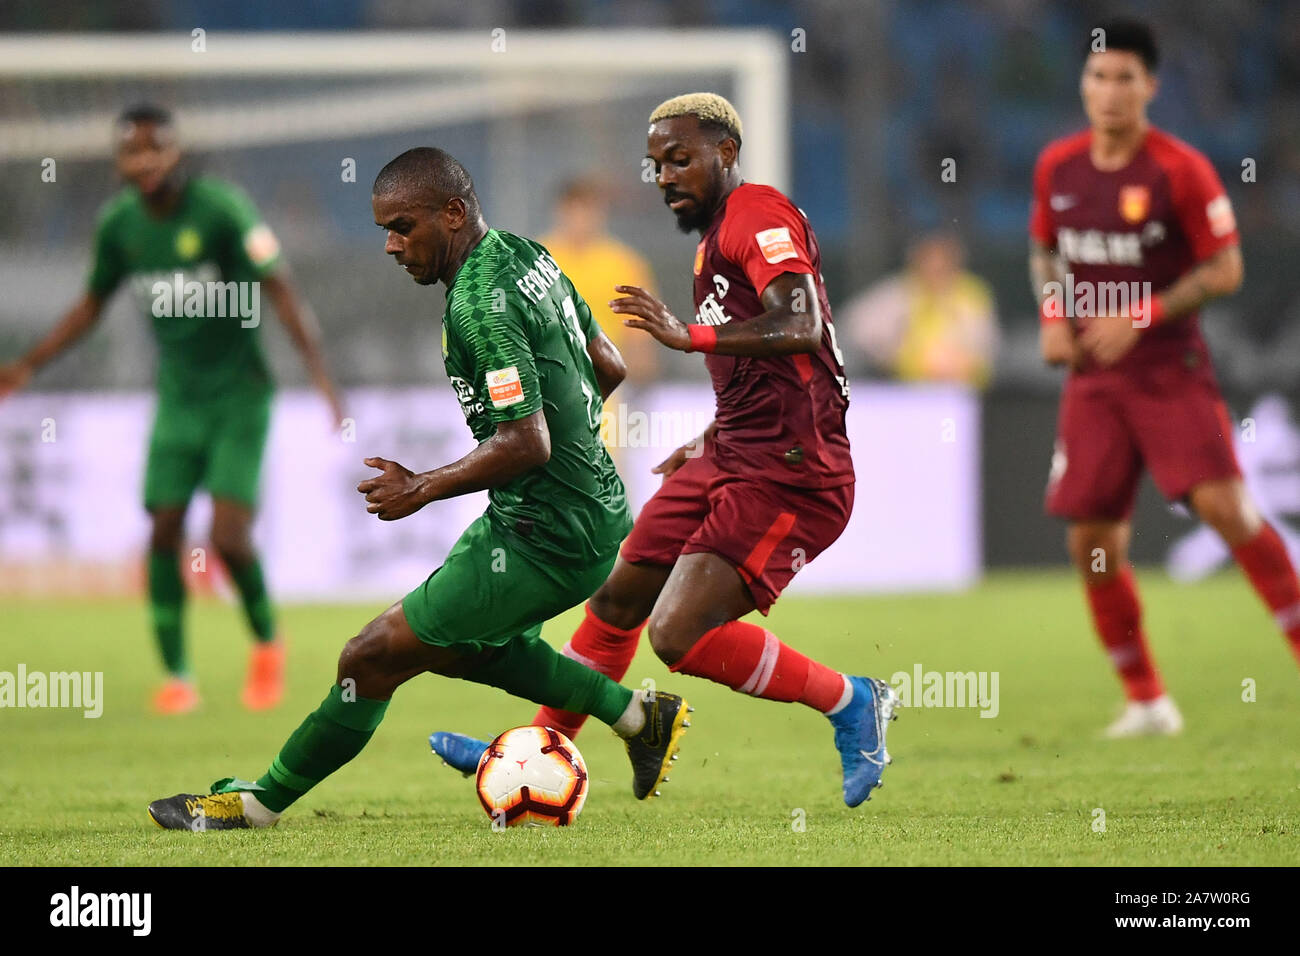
504,387
260,245
1134,203
188,243
1061,203
776,244
142,284
699,258
1219,213
711,312
1096,248
469,403
722,285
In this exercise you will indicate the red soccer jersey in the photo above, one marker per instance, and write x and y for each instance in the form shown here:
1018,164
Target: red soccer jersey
1149,222
779,418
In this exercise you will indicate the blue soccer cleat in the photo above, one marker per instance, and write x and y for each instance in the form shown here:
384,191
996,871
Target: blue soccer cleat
458,751
860,736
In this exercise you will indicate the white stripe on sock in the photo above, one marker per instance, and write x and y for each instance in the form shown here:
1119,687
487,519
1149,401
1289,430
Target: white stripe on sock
568,651
758,680
844,697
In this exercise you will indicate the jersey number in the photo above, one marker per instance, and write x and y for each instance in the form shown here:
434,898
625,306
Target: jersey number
580,341
839,359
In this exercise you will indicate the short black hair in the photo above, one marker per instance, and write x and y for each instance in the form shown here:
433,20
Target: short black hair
724,130
430,173
144,113
1132,36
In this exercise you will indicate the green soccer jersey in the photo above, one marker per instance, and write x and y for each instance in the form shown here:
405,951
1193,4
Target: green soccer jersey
196,276
514,336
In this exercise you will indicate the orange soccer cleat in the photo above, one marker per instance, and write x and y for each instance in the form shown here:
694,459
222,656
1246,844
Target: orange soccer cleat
177,696
265,684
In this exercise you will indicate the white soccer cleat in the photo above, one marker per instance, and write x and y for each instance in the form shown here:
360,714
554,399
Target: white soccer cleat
1151,718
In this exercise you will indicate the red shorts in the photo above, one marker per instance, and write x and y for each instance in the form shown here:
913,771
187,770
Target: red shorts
767,531
1170,419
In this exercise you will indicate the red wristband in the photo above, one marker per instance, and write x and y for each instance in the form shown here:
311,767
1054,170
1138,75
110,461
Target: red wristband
1049,310
1149,313
704,338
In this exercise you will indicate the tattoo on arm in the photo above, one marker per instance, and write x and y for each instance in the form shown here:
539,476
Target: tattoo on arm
1217,276
1044,267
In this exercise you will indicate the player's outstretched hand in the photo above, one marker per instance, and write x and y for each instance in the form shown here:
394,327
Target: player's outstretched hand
678,458
652,316
393,494
1109,338
13,377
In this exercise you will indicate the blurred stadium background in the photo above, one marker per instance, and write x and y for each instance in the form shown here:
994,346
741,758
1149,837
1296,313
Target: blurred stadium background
865,101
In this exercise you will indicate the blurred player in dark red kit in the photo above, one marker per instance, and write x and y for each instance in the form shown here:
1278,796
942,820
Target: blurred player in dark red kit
1131,233
769,485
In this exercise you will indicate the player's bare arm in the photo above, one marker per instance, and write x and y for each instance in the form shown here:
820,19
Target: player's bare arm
791,324
515,447
1055,339
1109,338
1219,275
304,331
74,324
608,363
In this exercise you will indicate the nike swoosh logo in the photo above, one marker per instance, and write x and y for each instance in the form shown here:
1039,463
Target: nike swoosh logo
1062,203
878,763
880,732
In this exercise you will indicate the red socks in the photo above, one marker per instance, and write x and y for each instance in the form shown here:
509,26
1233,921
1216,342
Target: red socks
751,659
1266,563
601,647
1117,615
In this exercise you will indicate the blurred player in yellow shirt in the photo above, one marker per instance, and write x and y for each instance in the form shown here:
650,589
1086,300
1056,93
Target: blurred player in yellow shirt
933,322
596,262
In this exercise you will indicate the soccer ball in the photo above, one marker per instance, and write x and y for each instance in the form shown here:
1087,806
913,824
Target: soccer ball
532,776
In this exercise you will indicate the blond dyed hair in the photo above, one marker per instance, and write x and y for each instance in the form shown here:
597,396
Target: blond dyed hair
706,107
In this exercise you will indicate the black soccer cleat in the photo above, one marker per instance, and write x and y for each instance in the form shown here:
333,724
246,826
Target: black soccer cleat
199,812
653,750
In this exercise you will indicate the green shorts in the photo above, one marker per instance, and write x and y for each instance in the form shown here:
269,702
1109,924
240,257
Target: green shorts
216,445
487,593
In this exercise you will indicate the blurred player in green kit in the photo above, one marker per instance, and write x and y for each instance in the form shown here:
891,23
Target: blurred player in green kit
197,255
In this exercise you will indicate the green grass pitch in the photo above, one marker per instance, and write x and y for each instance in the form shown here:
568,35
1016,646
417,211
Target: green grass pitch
757,783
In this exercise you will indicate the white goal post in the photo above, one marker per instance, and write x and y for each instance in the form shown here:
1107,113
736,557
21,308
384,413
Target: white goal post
492,74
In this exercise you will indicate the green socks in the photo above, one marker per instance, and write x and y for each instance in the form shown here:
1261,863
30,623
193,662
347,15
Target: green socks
330,736
257,604
338,730
530,668
166,603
